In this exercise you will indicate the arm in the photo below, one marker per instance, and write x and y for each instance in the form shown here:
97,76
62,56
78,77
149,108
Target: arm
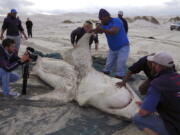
135,68
138,66
14,58
8,67
4,27
12,67
143,112
125,79
24,35
2,32
150,102
112,31
73,36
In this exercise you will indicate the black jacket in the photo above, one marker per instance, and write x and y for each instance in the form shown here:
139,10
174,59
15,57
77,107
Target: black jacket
13,26
8,62
168,85
29,24
125,24
79,32
141,65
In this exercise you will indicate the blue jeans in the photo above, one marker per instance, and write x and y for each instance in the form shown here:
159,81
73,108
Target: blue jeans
119,58
153,122
5,79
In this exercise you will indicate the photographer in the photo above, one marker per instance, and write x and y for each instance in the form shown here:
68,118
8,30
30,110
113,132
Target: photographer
9,61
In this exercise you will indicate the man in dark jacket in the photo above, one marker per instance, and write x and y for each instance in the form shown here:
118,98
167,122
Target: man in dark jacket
141,65
80,31
14,28
120,15
9,61
164,97
29,26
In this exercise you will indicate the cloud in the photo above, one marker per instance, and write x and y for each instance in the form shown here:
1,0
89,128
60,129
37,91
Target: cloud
173,3
172,7
20,5
165,8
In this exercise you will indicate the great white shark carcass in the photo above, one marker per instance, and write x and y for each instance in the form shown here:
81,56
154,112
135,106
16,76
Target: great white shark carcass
74,78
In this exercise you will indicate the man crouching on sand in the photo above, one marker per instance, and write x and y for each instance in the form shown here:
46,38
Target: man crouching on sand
9,61
141,65
163,96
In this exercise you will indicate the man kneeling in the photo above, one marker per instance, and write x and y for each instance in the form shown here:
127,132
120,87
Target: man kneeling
163,96
9,61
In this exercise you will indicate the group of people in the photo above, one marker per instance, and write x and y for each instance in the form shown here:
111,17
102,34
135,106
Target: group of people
159,113
116,32
9,49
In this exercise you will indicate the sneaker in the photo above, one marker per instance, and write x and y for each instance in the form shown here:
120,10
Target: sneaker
14,94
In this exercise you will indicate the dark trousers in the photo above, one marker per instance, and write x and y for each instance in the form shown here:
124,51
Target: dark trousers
29,31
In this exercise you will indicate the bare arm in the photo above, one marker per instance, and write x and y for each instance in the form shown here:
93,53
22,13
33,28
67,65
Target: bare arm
24,35
150,102
125,79
4,27
112,31
143,112
2,32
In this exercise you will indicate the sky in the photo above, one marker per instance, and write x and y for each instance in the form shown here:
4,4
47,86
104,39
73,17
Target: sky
130,7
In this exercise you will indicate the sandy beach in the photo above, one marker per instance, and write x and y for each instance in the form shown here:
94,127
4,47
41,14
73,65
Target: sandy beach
51,34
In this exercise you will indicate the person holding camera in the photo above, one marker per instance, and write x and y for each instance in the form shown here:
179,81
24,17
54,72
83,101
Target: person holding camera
9,61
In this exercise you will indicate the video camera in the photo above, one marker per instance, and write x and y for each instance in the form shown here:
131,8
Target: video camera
31,53
33,56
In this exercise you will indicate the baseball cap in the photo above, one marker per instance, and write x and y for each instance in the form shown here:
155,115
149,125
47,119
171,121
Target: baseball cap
103,13
120,12
162,58
13,11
